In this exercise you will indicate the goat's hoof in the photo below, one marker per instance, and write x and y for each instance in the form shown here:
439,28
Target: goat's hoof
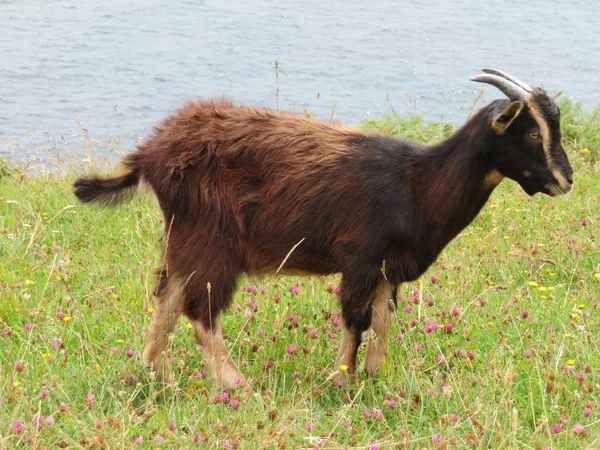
161,376
230,379
373,367
372,372
160,371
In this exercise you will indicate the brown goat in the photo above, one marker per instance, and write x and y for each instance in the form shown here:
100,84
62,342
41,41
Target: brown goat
241,187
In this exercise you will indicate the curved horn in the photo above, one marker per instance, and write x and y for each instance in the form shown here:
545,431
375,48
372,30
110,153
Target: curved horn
508,77
513,91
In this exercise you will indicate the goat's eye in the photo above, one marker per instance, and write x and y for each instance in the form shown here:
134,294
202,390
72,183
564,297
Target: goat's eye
534,135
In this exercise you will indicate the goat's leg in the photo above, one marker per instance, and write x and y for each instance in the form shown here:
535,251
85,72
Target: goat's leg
356,318
383,310
209,292
346,359
222,368
168,302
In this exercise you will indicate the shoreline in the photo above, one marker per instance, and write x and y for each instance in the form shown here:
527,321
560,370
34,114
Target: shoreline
411,127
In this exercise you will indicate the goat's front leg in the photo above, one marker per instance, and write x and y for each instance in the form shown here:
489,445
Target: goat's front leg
346,359
357,292
384,308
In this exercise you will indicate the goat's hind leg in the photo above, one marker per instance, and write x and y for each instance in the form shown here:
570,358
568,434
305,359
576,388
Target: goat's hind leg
169,302
204,304
221,366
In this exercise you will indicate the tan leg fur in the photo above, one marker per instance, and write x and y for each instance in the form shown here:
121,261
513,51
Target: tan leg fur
346,359
216,355
166,314
383,315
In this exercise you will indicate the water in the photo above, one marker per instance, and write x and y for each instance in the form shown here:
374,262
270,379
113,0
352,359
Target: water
116,67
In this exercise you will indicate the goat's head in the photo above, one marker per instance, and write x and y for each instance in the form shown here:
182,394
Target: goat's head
527,143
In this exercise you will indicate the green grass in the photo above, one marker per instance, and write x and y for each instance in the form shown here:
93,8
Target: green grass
521,284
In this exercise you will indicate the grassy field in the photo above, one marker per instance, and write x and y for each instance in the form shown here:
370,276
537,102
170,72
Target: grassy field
497,346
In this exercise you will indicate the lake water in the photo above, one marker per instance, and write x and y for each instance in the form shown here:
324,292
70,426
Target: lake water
117,67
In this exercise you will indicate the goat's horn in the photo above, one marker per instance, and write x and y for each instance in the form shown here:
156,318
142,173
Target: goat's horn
508,77
513,91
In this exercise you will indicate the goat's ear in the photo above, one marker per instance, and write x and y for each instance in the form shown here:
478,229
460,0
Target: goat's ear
503,120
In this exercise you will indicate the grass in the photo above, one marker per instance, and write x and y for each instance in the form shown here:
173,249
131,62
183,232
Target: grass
495,347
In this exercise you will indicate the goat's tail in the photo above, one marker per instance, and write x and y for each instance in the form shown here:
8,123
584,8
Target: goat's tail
107,191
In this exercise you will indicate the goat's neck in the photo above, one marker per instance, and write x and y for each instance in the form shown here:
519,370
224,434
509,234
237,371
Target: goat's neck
456,182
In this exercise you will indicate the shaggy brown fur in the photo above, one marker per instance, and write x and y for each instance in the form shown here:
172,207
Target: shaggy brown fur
241,187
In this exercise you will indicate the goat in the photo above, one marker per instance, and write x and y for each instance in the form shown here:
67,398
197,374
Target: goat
241,187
